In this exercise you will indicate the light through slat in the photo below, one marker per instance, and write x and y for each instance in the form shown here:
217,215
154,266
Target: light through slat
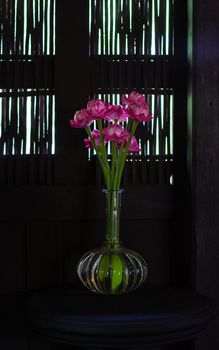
118,31
27,98
132,48
118,21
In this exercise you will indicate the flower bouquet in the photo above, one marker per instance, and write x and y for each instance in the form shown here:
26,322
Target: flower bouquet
112,269
134,110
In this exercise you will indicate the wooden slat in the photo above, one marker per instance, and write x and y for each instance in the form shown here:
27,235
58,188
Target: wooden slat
112,65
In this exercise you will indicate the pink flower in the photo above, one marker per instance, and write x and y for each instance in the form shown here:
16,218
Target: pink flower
97,108
133,97
81,119
116,133
134,146
139,112
115,113
137,107
88,143
96,137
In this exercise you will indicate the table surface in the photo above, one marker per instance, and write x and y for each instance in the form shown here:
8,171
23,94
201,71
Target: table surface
151,315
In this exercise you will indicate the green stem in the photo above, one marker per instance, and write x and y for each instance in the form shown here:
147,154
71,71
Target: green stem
103,149
102,164
116,183
128,125
124,152
114,159
113,217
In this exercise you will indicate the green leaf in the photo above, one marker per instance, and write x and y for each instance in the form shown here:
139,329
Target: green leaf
104,267
117,269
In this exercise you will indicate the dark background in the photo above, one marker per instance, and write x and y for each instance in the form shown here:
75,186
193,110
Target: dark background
52,207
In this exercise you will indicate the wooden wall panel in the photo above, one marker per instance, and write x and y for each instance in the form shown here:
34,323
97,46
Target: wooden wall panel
83,202
72,72
79,237
44,252
206,157
12,255
151,238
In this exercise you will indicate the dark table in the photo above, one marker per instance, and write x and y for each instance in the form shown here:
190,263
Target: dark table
152,315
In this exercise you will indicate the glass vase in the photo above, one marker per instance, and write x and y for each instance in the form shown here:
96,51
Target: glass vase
112,269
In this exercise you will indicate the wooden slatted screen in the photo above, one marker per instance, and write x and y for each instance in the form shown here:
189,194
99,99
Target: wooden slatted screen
132,48
27,102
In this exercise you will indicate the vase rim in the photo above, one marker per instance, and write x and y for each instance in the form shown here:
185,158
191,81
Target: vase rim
107,191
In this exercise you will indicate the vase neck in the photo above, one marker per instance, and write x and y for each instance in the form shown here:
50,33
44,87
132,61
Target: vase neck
113,209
